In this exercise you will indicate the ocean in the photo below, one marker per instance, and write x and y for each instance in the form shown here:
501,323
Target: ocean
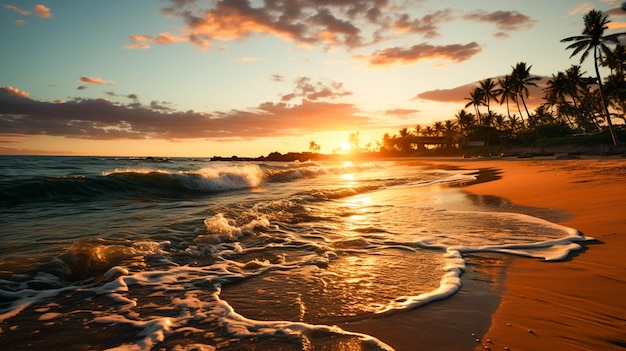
118,253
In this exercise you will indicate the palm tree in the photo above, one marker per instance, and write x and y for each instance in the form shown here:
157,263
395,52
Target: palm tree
521,81
418,130
450,130
577,87
405,140
506,92
438,128
465,121
314,146
555,93
488,87
593,38
476,99
615,83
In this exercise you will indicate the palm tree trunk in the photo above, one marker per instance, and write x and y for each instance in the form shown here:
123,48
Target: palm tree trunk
604,106
525,107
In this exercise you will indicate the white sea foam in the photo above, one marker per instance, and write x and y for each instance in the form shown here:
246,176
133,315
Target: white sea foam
218,177
290,262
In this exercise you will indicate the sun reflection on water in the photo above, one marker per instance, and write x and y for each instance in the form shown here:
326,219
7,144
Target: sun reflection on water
348,175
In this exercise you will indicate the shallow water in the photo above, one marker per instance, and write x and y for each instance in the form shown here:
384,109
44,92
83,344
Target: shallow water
188,254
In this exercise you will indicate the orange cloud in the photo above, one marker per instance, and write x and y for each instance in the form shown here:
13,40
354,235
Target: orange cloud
91,80
42,11
17,9
401,112
421,52
306,22
141,41
16,92
616,25
248,59
581,8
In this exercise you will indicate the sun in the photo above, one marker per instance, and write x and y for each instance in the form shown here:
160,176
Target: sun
345,147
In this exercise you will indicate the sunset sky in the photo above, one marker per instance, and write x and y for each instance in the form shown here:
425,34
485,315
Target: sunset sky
247,77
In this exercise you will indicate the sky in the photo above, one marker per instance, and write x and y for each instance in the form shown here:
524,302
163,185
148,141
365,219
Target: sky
250,77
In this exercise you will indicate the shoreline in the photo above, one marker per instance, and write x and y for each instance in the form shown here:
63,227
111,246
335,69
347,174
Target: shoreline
576,304
520,303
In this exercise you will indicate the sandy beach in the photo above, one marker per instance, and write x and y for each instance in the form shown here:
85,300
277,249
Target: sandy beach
520,303
578,304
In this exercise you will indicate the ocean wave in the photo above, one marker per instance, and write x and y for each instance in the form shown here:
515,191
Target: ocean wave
144,182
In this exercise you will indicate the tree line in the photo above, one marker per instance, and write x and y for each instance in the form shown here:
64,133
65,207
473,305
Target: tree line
573,102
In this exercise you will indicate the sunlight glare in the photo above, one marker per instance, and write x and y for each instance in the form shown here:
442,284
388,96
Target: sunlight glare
347,176
345,147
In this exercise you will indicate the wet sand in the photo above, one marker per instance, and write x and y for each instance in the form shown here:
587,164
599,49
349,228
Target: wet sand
519,303
579,304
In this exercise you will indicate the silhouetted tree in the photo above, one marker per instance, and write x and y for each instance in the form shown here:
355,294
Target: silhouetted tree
521,81
475,99
593,39
314,147
489,92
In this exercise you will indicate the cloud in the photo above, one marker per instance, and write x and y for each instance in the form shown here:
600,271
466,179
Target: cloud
91,80
140,41
505,21
616,25
421,52
458,94
16,92
347,23
101,119
402,113
248,59
615,12
306,89
17,9
42,11
277,78
453,95
427,25
581,8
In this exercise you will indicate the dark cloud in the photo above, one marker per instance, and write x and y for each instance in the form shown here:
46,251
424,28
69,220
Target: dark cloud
458,94
428,25
309,90
104,120
416,53
455,95
129,96
505,21
330,23
350,23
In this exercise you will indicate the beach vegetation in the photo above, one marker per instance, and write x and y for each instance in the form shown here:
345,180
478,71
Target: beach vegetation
594,40
314,147
576,107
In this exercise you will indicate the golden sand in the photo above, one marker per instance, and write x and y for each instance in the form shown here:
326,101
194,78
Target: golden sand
579,304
